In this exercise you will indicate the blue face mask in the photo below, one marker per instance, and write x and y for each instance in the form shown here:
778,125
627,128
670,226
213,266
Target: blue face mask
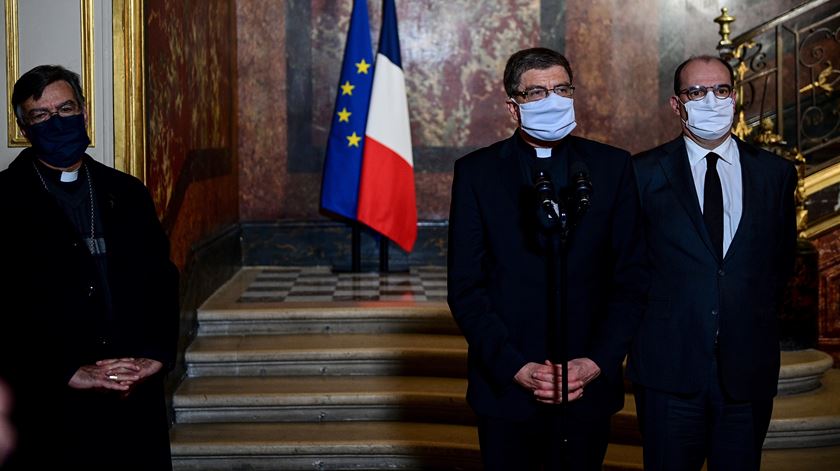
549,119
59,141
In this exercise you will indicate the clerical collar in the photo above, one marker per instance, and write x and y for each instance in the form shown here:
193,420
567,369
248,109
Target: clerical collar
539,152
68,181
71,176
543,152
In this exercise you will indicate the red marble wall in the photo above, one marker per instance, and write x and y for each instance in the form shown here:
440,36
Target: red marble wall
828,247
261,124
615,55
623,54
191,143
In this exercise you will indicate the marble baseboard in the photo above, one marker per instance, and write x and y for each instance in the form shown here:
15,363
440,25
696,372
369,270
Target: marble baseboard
307,243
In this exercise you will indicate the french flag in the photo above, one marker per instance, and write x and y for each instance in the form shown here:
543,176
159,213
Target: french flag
387,201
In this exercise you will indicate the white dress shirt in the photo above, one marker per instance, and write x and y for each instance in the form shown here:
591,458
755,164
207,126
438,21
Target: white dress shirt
729,169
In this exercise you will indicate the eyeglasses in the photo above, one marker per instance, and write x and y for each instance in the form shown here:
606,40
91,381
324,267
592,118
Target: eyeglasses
698,92
539,93
38,116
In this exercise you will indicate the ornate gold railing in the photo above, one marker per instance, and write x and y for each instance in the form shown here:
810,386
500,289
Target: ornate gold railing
787,74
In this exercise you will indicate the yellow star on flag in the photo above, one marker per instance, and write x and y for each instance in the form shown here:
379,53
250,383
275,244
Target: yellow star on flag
347,89
344,116
353,140
362,67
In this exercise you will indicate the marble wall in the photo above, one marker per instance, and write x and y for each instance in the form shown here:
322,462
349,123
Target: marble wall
623,53
828,247
191,140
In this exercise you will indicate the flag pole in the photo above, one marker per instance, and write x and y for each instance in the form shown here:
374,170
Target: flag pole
387,200
345,143
383,254
355,249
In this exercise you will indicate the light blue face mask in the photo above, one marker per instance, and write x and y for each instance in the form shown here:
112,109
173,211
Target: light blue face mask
549,119
710,118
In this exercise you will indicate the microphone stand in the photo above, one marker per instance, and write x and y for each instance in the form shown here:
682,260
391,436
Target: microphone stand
561,350
555,237
557,226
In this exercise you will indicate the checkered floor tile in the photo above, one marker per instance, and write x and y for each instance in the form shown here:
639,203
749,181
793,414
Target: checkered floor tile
321,284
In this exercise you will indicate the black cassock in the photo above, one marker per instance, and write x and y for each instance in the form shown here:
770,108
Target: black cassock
69,298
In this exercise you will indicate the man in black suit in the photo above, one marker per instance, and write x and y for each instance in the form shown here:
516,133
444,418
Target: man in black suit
88,296
509,261
720,223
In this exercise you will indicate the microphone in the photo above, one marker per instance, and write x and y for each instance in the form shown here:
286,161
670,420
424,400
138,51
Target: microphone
581,188
545,197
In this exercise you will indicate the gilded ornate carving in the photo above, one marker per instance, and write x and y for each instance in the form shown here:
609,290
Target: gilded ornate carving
822,82
767,137
724,20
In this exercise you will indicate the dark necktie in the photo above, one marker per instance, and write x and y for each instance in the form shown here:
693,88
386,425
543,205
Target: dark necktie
713,203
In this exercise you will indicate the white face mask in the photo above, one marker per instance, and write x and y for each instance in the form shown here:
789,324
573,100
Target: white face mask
710,118
549,119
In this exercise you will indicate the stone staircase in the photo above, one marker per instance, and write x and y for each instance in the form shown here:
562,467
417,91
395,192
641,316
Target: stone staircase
277,382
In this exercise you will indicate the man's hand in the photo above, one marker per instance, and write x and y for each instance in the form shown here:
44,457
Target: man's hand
546,380
108,375
148,367
534,376
581,372
115,374
143,368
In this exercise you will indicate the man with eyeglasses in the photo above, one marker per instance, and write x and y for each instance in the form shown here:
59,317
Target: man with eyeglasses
719,218
513,276
88,296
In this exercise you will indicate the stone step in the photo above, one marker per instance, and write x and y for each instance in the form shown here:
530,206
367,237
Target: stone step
343,445
801,459
325,354
310,318
810,419
802,420
322,399
626,457
336,399
799,420
802,370
246,303
389,445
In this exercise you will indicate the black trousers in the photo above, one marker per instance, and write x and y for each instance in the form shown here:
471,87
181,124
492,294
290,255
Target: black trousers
680,432
535,444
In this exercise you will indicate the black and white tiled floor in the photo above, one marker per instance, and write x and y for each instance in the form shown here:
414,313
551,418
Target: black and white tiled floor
321,284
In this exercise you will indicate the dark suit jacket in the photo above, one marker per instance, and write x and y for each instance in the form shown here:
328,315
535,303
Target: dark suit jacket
497,275
52,319
675,342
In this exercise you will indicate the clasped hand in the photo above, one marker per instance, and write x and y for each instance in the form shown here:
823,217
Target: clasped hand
545,379
115,374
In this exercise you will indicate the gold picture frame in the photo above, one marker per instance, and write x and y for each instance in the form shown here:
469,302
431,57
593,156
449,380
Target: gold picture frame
129,88
15,136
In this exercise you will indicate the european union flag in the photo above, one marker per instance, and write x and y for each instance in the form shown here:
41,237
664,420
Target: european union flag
343,162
